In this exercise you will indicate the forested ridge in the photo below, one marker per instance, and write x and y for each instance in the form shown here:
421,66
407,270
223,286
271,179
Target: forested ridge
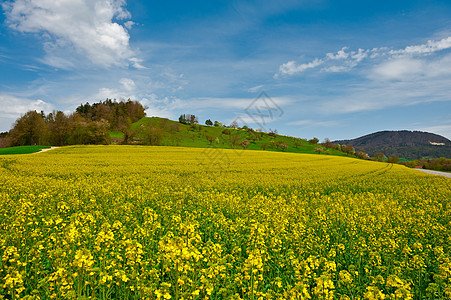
403,143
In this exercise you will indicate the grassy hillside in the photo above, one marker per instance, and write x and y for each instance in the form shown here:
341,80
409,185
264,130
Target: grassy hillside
132,222
185,135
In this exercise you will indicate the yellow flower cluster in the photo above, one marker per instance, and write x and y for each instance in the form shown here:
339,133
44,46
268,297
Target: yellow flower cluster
133,222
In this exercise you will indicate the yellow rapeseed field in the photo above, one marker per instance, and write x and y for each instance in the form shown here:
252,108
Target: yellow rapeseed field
134,222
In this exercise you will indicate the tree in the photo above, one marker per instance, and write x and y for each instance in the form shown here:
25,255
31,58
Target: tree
5,140
112,111
393,159
134,110
272,144
154,135
84,110
379,156
195,127
282,146
30,129
182,119
297,143
234,140
59,128
272,133
100,132
253,137
209,122
362,154
218,124
245,144
234,125
264,146
313,141
188,119
80,132
348,149
124,125
193,119
210,139
328,144
319,149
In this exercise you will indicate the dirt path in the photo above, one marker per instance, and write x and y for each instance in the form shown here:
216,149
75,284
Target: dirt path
46,149
435,172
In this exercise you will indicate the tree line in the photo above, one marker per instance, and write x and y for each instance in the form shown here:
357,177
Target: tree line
89,124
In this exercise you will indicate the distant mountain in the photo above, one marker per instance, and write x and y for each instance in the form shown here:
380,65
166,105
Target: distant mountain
404,144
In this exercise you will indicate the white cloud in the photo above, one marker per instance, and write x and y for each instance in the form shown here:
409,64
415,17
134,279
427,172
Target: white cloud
291,67
136,63
127,84
339,55
398,69
88,28
12,107
255,88
409,68
429,47
160,107
345,60
129,24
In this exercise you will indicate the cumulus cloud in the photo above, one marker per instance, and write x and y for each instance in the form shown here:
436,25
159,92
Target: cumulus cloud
430,47
291,67
90,28
392,66
11,107
127,84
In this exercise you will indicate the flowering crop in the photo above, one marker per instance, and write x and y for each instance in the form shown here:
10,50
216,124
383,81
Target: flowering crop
119,222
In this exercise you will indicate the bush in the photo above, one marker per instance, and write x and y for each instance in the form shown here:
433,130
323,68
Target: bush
393,159
313,141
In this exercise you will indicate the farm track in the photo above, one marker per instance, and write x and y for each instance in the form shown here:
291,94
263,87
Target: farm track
445,174
47,149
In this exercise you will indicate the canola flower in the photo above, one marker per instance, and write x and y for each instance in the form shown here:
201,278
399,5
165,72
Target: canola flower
131,222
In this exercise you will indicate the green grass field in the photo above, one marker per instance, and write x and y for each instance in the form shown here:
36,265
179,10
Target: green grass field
22,150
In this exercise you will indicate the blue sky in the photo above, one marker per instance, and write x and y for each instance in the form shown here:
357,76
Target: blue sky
336,69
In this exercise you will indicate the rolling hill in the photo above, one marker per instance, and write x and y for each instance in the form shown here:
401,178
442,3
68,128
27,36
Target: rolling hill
404,143
173,133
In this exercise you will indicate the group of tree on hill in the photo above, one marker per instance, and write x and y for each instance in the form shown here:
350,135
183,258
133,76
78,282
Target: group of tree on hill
89,124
